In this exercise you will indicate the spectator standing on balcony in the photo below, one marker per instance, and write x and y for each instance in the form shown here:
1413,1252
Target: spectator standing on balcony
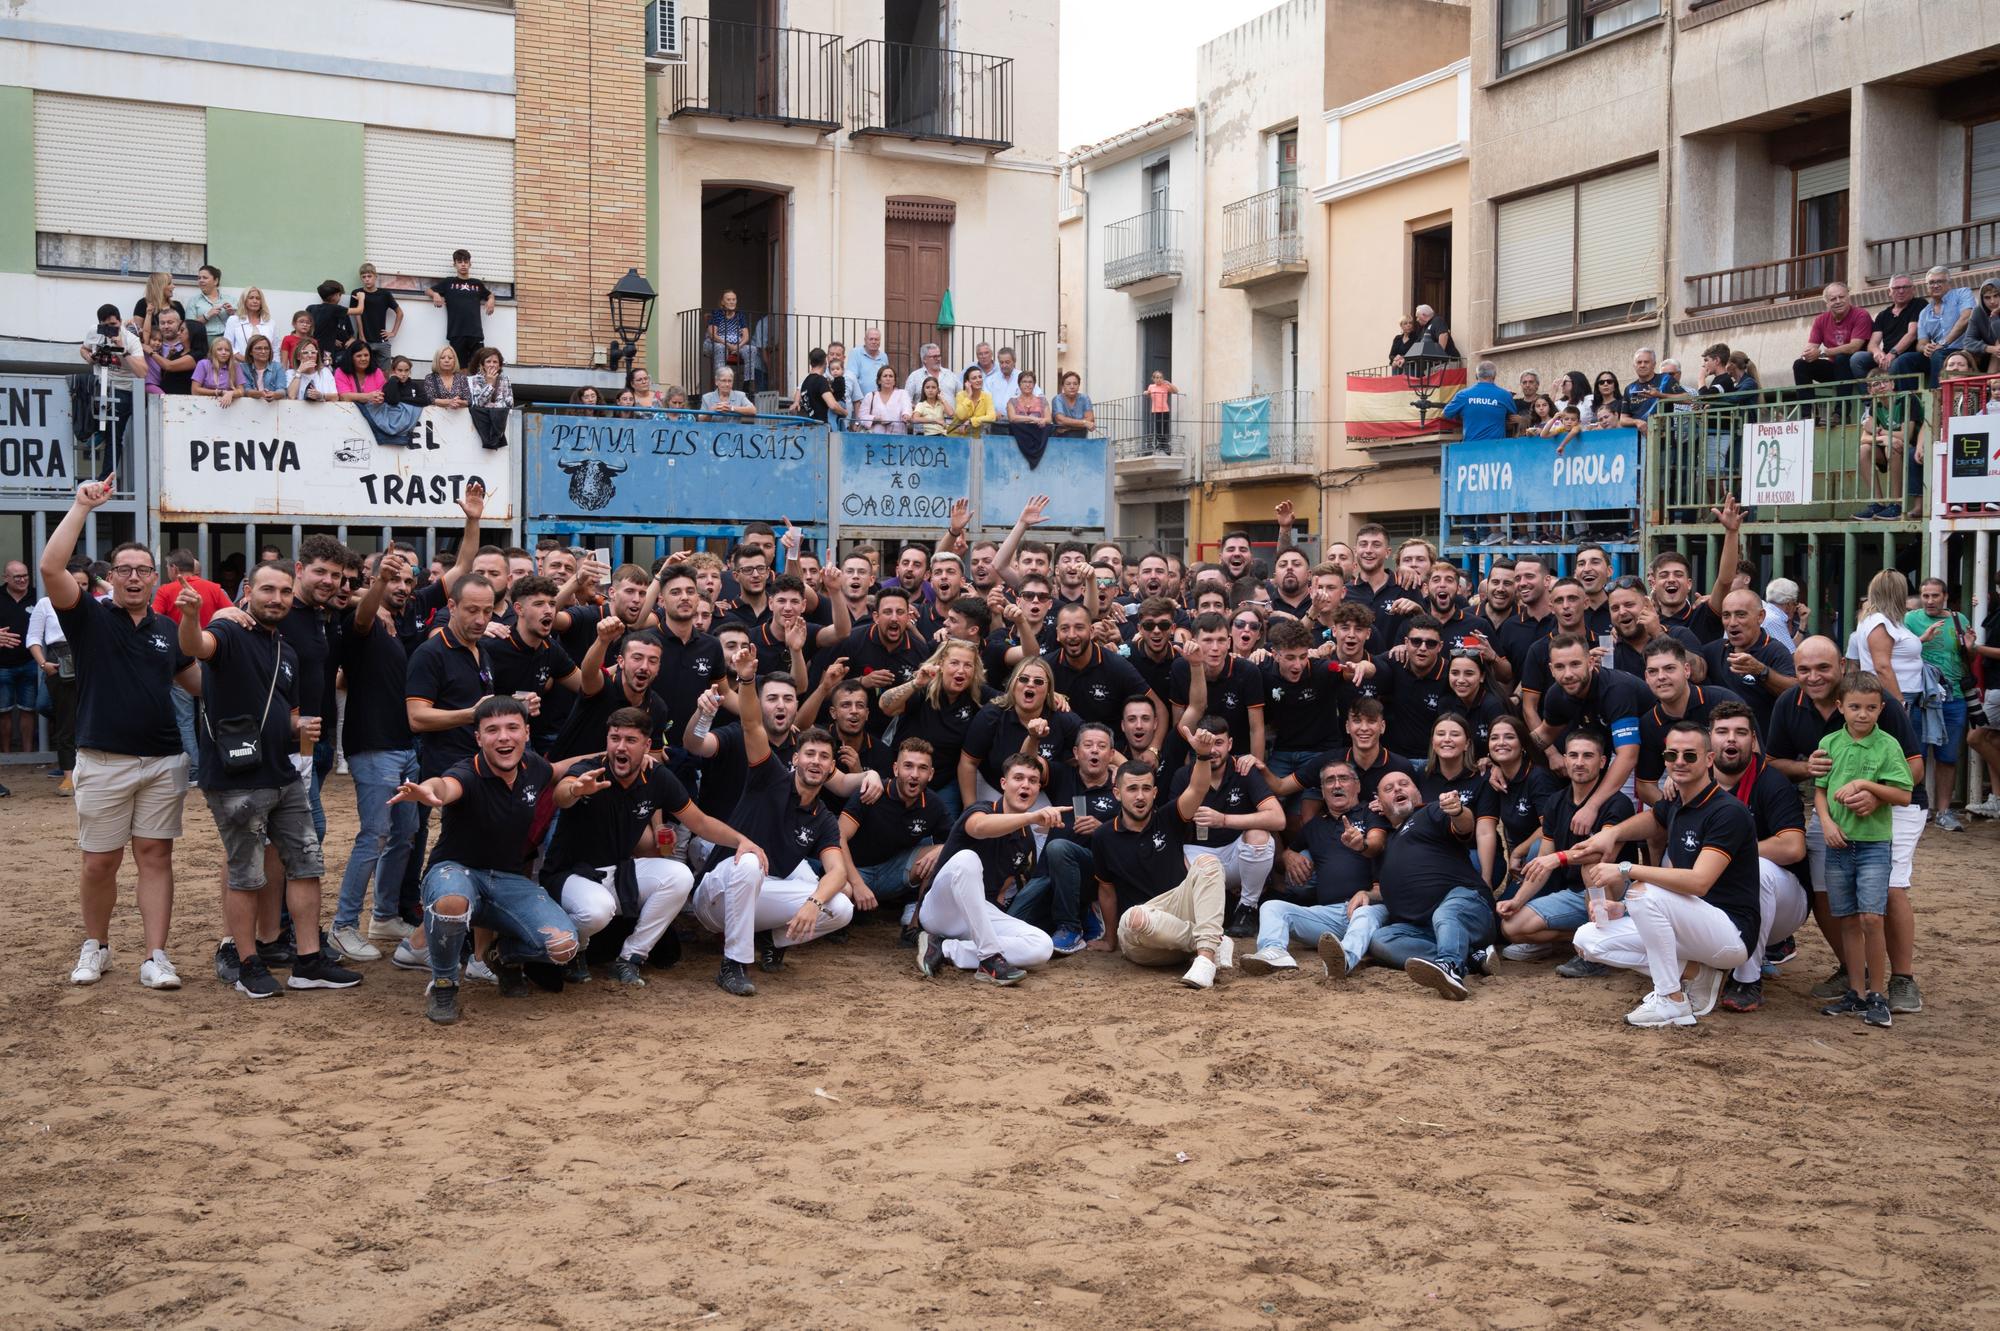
1893,339
972,411
1074,414
1005,381
218,376
1433,325
1405,338
822,396
1649,383
170,360
931,366
375,313
466,302
1482,408
1573,390
1028,420
445,386
263,378
887,409
1160,410
1524,401
159,297
1943,323
982,361
332,329
1607,400
252,316
869,360
1837,336
210,309
727,337
492,397
1984,331
930,413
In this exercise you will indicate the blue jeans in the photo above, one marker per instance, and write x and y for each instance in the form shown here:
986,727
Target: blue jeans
184,718
1461,922
949,799
1857,878
531,926
1279,922
890,880
20,687
1284,762
1954,735
322,768
382,846
1054,899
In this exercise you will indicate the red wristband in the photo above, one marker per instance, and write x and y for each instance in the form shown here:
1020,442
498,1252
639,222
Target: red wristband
1562,858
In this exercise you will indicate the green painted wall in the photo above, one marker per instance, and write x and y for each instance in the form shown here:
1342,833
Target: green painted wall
284,200
17,164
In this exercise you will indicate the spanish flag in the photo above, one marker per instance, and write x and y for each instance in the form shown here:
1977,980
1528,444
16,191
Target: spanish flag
1379,405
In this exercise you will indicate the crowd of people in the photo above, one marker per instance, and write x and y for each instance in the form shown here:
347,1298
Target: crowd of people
1008,752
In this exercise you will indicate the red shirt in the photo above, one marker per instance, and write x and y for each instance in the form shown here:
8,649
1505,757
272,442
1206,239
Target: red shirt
213,598
1854,326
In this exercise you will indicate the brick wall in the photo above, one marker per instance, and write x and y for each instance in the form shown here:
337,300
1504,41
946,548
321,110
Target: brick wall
579,170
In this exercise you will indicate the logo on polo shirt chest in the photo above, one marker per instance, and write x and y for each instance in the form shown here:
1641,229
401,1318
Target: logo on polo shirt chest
643,809
528,794
963,712
1521,806
1278,693
543,678
804,836
917,827
1690,842
701,666
1235,796
1099,693
1229,701
1433,700
158,642
1159,841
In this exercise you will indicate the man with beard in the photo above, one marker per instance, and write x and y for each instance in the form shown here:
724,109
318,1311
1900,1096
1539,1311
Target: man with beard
593,865
1532,620
1807,713
1413,688
1097,683
797,884
250,688
1673,593
1437,913
1329,593
1168,904
497,805
1635,624
1237,557
527,663
989,857
631,682
1290,585
1232,815
892,844
690,661
724,751
1567,604
1156,578
1593,695
1747,659
884,653
855,750
1332,911
1550,905
1227,687
1151,651
1372,585
1780,819
1669,672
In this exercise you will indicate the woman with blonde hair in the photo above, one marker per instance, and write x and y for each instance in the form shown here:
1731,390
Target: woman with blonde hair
939,704
1883,645
446,385
1024,719
253,316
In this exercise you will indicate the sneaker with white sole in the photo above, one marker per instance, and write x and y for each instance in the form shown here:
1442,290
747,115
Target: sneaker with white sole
477,969
1200,975
1704,989
392,930
1904,996
1441,977
90,962
1528,951
351,946
1225,955
316,970
1948,821
1331,951
1656,1011
159,973
407,958
254,980
1265,960
1986,808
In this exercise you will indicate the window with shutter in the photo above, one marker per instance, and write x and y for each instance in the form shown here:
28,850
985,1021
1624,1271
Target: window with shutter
1578,256
425,195
1983,172
1532,31
1818,181
1535,249
120,186
1618,243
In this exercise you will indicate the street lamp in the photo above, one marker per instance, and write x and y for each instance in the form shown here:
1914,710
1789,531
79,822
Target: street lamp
631,314
1424,368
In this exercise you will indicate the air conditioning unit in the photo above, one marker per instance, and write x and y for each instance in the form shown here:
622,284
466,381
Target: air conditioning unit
663,33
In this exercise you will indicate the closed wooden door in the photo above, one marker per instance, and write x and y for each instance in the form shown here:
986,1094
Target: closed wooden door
917,269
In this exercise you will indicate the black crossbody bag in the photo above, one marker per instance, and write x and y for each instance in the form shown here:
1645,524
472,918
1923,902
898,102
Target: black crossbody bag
239,741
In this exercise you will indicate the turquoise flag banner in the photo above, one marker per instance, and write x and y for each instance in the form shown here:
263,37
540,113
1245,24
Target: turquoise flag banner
1246,430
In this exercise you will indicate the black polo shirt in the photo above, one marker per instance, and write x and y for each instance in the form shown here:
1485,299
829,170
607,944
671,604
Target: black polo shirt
1232,793
1556,816
1043,644
1411,702
1066,786
1597,618
1459,625
254,673
1480,716
865,651
1422,863
1371,776
1632,660
1535,676
1306,716
769,813
1613,701
590,718
1159,675
305,630
1751,687
774,657
1519,807
722,776
604,829
124,678
451,676
1098,689
945,726
496,826
1775,805
14,616
1797,729
575,640
519,668
377,719
1695,617
1141,864
1514,635
1702,700
881,831
1717,818
1002,859
1232,695
997,732
1471,784
1338,873
742,612
687,670
872,753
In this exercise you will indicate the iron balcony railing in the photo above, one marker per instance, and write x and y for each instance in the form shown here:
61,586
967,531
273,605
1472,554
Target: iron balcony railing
930,92
775,356
1780,279
1138,435
746,71
1141,248
1277,431
1262,232
1966,245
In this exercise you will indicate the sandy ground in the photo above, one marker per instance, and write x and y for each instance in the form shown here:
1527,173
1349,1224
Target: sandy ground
1367,1157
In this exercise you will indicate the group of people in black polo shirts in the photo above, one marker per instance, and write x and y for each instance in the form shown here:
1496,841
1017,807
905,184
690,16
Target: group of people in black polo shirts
1009,752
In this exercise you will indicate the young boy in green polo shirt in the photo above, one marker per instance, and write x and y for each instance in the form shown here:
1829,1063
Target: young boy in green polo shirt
1869,772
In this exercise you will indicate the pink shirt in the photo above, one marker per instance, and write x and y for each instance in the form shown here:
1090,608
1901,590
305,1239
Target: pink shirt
1160,397
371,383
1853,326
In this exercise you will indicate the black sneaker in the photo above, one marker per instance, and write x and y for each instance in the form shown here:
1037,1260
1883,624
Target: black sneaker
837,936
930,953
734,979
578,969
996,970
1780,952
441,1003
1740,997
227,964
1875,1011
666,952
770,957
625,970
317,970
1486,961
512,978
254,980
1242,923
1850,1004
278,956
1441,976
906,936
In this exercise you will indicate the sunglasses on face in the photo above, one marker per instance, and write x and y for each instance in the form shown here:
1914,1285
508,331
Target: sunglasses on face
1682,755
1034,596
1424,642
1249,624
1156,625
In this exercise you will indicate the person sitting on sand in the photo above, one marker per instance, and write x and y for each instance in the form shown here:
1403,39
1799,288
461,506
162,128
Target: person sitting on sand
1167,901
989,856
1437,911
1343,842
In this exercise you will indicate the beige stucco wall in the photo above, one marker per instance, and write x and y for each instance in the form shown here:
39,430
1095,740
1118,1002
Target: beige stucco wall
1389,131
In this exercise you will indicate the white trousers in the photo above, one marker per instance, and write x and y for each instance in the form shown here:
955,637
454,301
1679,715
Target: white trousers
1660,933
592,901
1246,865
1782,911
973,928
737,900
1906,825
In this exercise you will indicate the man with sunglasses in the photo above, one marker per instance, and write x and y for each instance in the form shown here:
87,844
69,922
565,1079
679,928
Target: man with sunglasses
131,773
1692,919
1410,681
1779,813
1033,627
1151,651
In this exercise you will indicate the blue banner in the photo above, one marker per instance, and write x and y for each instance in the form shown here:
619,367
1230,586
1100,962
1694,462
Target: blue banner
648,468
1599,469
902,480
1246,430
1071,474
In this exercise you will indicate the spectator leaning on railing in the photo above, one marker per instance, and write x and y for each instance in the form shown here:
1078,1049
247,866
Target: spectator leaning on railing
1984,331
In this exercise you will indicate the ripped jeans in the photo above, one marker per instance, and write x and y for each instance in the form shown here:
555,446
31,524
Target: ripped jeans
531,926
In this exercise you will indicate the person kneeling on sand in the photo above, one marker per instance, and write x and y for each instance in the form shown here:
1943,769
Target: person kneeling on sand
1438,912
989,856
1168,903
1343,841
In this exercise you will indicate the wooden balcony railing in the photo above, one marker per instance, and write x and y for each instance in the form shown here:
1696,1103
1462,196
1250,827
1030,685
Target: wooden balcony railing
1757,283
1966,245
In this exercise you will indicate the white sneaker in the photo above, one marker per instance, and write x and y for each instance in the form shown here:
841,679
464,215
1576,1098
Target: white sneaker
409,958
1201,975
340,767
477,969
1528,951
158,974
1657,1011
1986,808
392,930
1225,955
90,962
351,946
1267,959
1703,990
